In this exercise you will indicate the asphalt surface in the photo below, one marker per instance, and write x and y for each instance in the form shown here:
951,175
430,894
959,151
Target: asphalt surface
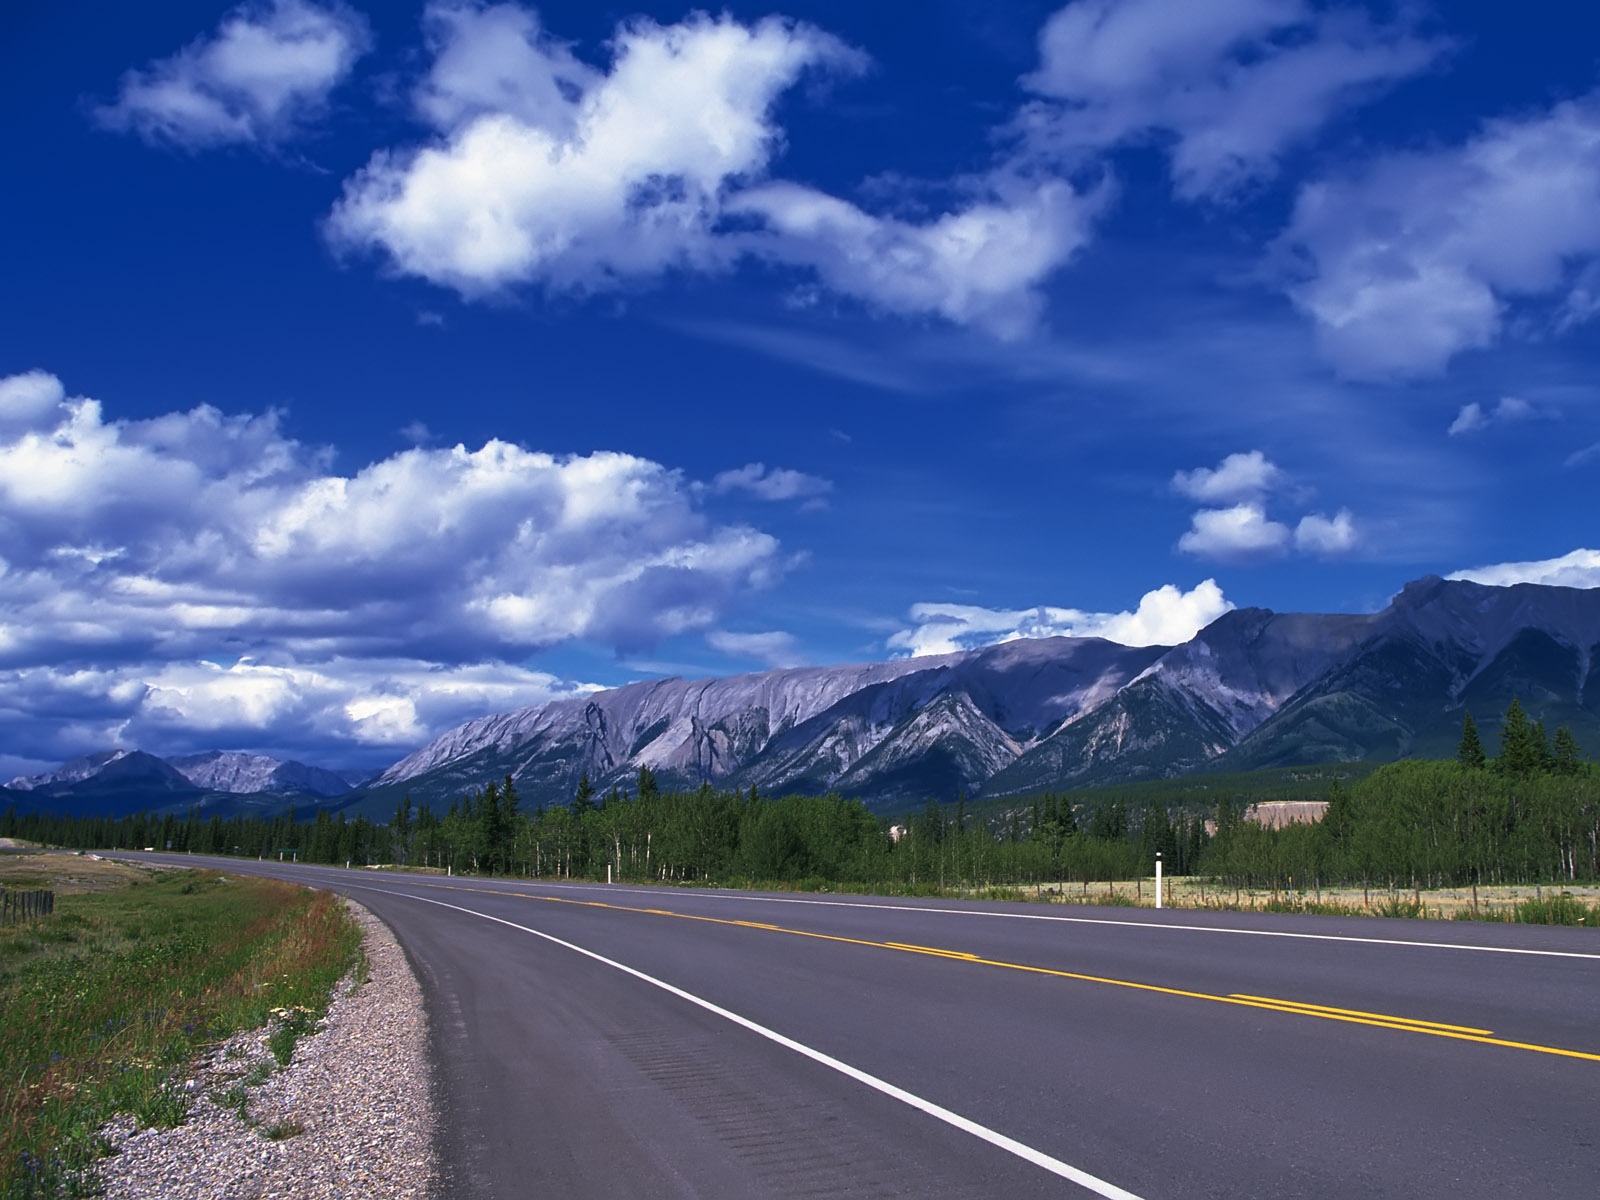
858,1047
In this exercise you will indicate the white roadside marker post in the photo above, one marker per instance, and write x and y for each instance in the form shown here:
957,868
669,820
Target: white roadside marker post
1158,879
608,874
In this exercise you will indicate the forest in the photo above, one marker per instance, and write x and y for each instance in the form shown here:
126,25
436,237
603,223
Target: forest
1530,814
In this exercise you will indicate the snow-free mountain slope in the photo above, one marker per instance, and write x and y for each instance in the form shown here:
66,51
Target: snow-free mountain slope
225,771
1254,688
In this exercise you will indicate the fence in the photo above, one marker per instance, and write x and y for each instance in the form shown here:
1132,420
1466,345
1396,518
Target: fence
23,906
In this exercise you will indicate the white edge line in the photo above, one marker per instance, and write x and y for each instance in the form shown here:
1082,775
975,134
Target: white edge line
980,912
1027,1153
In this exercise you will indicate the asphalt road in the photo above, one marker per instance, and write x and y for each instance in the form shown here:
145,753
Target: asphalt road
621,1042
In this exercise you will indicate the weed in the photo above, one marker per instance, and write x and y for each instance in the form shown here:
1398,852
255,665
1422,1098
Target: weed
1399,906
279,1130
289,1025
1561,909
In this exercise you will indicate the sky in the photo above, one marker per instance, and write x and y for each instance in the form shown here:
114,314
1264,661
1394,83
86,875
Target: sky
368,368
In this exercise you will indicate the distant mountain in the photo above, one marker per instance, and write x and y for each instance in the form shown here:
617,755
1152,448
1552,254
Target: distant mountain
74,771
1252,689
225,771
115,782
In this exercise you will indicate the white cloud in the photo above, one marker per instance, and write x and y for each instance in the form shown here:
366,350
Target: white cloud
1473,417
1247,476
575,179
498,59
259,78
552,173
147,547
1165,616
1327,536
774,649
1578,457
1227,85
1416,258
980,264
778,483
1579,569
1242,531
340,712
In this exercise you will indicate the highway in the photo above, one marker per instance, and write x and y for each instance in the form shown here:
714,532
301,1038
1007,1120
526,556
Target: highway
616,1041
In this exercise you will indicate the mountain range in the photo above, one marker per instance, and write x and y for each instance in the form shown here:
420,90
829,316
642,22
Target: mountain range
1252,689
117,781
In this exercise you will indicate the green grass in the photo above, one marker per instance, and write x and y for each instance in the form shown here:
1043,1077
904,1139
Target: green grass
1560,909
104,1005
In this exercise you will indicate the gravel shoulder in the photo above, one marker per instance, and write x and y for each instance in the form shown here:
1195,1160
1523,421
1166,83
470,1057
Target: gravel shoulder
353,1114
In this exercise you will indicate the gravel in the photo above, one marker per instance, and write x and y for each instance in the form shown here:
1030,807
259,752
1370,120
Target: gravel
352,1115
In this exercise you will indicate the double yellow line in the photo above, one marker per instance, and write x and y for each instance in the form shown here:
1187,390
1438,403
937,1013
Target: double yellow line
1324,1012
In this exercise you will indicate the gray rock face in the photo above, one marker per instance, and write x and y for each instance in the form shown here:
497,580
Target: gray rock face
75,771
246,774
1254,688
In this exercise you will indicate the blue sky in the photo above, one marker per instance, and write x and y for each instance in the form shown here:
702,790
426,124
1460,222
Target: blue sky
368,368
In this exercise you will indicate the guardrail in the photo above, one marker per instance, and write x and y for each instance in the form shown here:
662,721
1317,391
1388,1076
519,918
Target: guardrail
26,906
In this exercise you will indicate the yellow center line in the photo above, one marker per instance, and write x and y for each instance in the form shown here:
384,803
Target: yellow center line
961,954
1320,1011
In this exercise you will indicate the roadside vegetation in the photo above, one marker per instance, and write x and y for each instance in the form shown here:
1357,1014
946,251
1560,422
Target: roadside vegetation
106,1003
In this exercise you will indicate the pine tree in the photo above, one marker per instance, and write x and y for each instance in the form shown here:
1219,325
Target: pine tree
1518,754
1564,758
1470,753
1539,750
584,800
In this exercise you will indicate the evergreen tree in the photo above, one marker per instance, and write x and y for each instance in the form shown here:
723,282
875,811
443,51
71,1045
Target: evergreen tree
648,789
584,800
1564,758
1519,756
1470,753
1539,748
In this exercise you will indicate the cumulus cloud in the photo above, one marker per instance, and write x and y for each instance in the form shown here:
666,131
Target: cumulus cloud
265,72
549,172
356,712
1579,569
1164,617
1236,528
774,649
1327,536
980,264
1474,416
135,551
498,59
1416,258
778,483
1237,477
1240,532
1228,86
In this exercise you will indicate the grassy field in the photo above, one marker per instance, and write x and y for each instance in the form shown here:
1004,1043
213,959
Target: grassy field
104,1004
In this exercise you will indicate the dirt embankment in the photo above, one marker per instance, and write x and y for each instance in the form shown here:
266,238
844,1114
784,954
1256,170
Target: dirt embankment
1275,814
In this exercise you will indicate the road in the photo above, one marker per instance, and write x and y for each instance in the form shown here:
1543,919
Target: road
599,1041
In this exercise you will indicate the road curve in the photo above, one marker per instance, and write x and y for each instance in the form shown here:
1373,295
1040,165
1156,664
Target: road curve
647,1042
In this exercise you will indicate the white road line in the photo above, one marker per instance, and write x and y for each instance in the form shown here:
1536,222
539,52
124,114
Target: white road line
1015,916
1027,1153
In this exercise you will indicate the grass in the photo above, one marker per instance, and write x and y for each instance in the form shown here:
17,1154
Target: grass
1512,903
104,1005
